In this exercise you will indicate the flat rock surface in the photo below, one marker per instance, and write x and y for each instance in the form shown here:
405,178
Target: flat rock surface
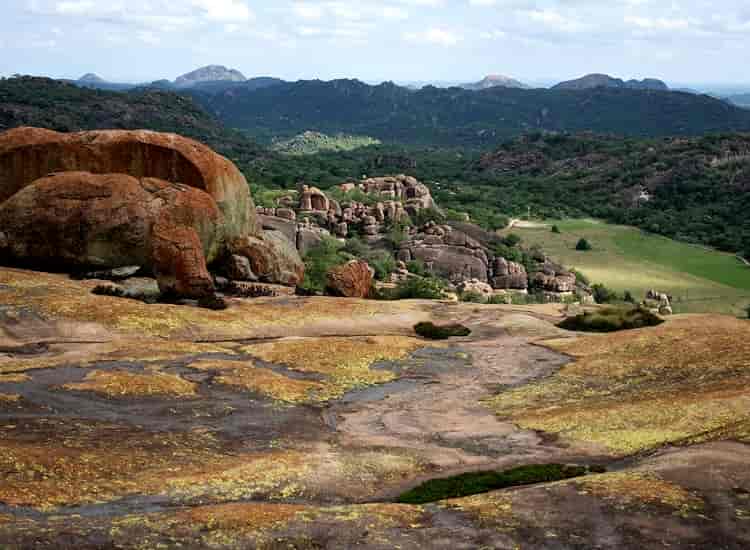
297,422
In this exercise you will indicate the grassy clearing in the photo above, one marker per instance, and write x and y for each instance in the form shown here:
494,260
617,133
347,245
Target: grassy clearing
625,258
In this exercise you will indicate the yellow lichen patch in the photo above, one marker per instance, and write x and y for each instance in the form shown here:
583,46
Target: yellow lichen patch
9,398
377,516
489,509
636,390
240,517
56,297
274,474
4,518
74,464
13,378
640,488
117,383
345,362
264,381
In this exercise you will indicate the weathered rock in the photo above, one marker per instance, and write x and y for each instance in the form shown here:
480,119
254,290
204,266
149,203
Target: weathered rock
238,268
273,258
78,220
509,275
454,263
27,154
351,280
313,199
554,278
275,223
308,237
475,286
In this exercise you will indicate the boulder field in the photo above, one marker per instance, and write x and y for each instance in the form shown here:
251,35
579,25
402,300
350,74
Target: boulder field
109,199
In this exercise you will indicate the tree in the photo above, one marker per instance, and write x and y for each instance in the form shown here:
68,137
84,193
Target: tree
628,297
556,230
583,245
603,295
512,240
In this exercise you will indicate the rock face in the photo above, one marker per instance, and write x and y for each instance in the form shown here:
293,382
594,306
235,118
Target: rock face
27,154
78,219
509,275
122,198
351,280
554,278
209,73
603,80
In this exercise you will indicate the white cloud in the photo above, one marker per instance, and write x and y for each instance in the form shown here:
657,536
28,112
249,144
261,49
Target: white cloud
435,36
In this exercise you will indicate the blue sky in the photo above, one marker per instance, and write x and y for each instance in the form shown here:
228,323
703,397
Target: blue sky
682,41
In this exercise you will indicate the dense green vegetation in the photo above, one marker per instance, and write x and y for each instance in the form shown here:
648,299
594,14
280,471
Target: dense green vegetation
431,331
612,319
483,482
457,117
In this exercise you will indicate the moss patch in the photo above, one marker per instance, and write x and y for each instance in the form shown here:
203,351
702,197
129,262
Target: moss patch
612,319
484,482
122,384
432,331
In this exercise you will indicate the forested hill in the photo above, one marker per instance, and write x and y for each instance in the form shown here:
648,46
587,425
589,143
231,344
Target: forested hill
457,117
47,103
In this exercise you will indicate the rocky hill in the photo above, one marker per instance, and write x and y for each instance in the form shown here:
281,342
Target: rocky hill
606,81
462,117
493,81
210,73
310,143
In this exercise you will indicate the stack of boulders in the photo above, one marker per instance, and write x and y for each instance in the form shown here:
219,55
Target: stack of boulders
658,302
312,215
108,199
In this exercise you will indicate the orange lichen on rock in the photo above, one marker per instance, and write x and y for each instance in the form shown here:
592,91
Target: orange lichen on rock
123,384
9,398
260,380
640,488
345,362
635,390
14,378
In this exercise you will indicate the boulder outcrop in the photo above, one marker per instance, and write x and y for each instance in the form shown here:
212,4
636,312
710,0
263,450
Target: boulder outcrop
509,275
80,220
27,154
135,198
351,280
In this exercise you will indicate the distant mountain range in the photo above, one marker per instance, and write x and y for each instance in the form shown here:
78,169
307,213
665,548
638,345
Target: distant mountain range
269,109
742,100
210,73
606,81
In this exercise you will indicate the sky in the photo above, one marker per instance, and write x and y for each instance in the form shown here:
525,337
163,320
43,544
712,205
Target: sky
542,41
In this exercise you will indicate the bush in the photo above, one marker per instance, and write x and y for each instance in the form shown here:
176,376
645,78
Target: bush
556,230
474,483
214,302
628,297
603,295
420,288
747,310
432,331
397,235
383,263
612,319
318,261
583,245
510,254
512,240
428,215
417,267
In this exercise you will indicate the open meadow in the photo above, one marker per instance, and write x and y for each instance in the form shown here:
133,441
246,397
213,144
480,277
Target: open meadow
625,258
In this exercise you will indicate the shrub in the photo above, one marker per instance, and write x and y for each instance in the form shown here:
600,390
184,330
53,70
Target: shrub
603,295
420,288
583,245
383,263
483,482
556,230
214,302
628,297
432,331
318,261
612,319
512,240
499,299
510,254
428,215
417,267
108,290
397,234
747,310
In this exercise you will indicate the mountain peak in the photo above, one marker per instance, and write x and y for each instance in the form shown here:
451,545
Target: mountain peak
210,73
91,77
597,80
493,81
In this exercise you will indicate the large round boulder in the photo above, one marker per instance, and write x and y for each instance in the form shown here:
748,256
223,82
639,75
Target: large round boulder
27,154
351,280
76,220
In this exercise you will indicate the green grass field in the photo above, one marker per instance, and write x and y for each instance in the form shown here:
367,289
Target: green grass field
625,258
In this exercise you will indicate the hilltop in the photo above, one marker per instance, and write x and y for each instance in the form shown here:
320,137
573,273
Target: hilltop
209,73
456,117
493,81
606,81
